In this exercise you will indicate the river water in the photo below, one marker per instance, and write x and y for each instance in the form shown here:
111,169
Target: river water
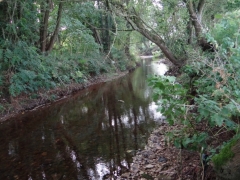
91,135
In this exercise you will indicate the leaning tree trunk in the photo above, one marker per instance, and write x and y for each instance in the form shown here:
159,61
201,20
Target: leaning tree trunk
138,25
55,33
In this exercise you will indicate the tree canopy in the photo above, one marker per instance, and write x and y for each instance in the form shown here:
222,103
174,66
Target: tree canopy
41,41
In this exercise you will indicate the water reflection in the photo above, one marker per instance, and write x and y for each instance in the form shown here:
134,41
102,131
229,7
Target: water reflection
88,136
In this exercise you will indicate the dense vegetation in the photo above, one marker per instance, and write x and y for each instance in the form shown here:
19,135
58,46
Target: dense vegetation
205,97
46,44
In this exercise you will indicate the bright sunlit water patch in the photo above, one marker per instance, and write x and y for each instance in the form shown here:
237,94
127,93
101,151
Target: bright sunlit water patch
102,170
159,68
153,107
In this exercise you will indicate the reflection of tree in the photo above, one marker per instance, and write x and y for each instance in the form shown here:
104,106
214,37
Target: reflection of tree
127,155
130,87
62,143
93,126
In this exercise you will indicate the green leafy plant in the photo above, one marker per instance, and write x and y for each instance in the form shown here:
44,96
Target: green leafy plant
214,81
173,102
225,153
171,97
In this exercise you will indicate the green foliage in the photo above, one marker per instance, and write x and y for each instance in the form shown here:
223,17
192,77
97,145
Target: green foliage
24,25
76,41
120,59
172,22
172,99
214,78
96,65
190,70
218,90
76,54
225,154
25,66
31,71
226,32
233,5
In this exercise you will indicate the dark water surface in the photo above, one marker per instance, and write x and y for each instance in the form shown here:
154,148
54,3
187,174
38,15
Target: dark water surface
91,135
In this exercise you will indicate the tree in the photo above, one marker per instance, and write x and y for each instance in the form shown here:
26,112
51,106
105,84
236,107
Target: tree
46,42
135,17
137,23
195,10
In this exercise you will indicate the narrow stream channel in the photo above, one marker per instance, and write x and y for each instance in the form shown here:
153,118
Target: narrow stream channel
91,135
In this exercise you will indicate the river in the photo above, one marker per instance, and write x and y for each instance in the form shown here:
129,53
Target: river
91,135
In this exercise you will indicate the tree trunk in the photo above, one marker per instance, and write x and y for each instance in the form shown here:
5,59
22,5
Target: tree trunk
4,18
196,16
138,25
44,25
127,45
55,33
190,31
96,36
195,19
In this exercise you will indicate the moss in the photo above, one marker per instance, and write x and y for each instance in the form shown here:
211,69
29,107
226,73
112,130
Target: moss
225,154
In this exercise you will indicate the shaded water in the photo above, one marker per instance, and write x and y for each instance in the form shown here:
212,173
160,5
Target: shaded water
92,135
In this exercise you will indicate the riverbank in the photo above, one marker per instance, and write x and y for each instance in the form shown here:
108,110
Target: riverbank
28,102
162,160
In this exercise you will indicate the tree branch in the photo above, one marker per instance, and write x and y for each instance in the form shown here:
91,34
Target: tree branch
201,4
200,7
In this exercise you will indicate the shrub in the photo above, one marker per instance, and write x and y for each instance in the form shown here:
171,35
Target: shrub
213,79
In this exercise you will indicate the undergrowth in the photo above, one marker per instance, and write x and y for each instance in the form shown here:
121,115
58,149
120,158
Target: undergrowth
225,154
207,95
25,71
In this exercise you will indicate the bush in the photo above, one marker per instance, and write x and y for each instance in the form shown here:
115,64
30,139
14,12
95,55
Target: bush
213,79
29,71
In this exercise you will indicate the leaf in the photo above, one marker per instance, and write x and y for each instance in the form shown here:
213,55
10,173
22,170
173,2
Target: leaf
217,119
171,78
201,137
177,143
160,85
79,74
186,141
229,123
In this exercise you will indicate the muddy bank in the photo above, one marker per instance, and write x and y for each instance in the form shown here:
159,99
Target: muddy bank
28,102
